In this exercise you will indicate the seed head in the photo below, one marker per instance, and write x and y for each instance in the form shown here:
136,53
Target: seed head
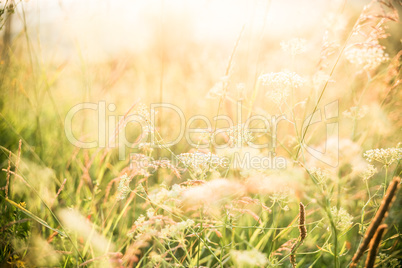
123,189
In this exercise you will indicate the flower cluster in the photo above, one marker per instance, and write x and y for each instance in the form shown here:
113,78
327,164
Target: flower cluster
281,197
219,89
143,111
294,46
163,195
356,112
342,219
123,189
248,258
158,226
367,56
199,162
212,193
319,79
146,147
368,172
280,84
144,165
239,135
384,156
141,164
322,176
176,230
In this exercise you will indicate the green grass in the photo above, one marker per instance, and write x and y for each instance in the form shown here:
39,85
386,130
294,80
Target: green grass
68,207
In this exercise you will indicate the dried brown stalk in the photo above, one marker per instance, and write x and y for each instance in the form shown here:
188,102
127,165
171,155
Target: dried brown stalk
374,246
58,192
379,217
8,171
17,163
302,236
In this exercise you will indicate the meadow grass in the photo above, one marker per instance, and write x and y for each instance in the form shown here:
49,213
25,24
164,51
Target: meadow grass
65,206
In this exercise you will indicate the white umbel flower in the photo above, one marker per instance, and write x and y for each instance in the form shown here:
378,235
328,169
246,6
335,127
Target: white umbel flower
356,112
342,219
239,135
200,162
367,56
123,189
248,258
369,172
280,84
384,156
294,46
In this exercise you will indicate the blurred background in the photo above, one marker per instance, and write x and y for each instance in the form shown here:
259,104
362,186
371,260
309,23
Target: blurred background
57,54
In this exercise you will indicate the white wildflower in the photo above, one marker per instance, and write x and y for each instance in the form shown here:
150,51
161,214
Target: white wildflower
175,191
219,89
280,84
156,258
142,161
239,135
281,196
143,111
241,86
123,189
356,112
294,46
322,176
342,219
145,147
200,162
248,257
368,172
216,91
176,230
150,212
320,78
384,156
162,195
367,56
213,192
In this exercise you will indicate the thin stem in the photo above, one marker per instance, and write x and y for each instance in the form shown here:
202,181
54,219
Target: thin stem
386,178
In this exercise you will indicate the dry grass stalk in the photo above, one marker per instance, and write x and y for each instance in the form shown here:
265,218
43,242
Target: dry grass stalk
302,236
18,176
59,191
8,171
17,163
374,246
287,246
379,217
109,188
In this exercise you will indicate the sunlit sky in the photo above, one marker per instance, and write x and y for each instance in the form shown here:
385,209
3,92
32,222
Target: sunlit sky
111,26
